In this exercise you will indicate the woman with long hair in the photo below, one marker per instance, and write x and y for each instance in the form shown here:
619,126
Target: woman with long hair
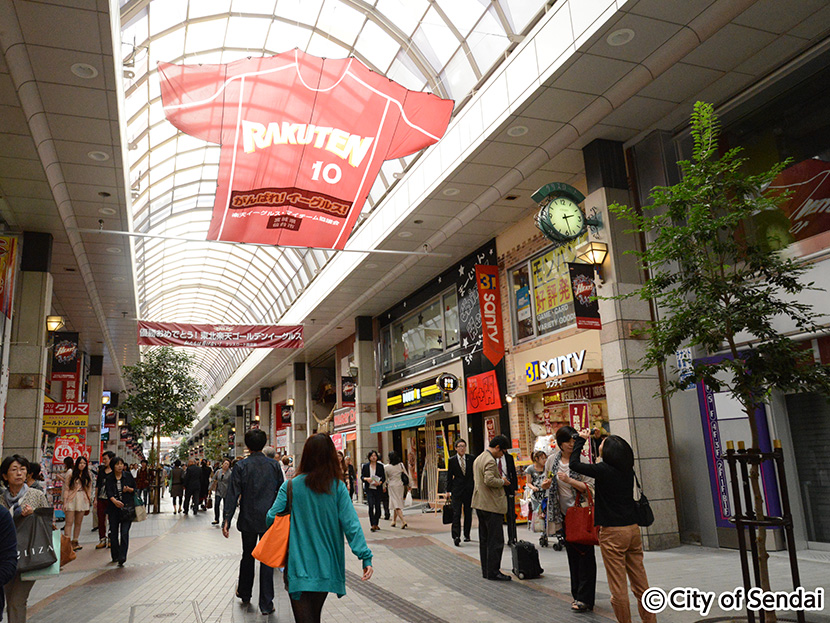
77,500
21,500
616,514
397,490
177,486
121,496
562,483
373,476
321,515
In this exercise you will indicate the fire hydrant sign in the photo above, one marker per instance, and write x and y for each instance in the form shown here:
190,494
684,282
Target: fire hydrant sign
303,139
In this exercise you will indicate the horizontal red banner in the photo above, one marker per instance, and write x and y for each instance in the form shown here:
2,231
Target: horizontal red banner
219,335
65,408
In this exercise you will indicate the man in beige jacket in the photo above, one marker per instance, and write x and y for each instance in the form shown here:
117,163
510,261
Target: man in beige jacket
491,505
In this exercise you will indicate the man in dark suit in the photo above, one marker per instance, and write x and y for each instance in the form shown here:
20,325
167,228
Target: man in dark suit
460,487
192,481
253,487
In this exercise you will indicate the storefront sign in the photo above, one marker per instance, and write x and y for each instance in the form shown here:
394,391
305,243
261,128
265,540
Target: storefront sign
586,305
302,138
589,392
489,299
483,392
219,336
421,394
552,289
556,366
285,415
447,382
344,418
65,415
65,357
808,207
281,438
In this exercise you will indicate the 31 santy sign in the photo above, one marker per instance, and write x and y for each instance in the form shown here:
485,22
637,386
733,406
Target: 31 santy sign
303,139
219,336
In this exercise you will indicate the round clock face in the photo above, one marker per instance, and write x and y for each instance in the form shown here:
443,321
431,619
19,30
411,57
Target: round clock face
566,217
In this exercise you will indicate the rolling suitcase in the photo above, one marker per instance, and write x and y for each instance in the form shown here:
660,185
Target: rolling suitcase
525,560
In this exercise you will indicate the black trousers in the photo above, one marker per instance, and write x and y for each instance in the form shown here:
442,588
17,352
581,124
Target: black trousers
491,542
384,498
582,563
373,498
216,502
245,586
462,503
191,497
119,535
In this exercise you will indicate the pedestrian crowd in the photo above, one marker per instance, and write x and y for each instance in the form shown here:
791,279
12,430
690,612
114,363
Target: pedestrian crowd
318,494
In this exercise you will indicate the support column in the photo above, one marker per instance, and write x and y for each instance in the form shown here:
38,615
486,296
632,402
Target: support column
634,413
28,353
265,414
366,398
95,397
239,434
297,390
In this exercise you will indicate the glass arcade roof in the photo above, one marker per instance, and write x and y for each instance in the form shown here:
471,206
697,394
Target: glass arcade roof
443,46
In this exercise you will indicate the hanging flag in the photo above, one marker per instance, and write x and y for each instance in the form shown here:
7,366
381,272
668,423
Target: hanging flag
219,336
489,299
303,139
586,305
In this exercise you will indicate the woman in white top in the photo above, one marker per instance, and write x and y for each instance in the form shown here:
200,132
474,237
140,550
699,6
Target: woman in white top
77,499
396,487
373,477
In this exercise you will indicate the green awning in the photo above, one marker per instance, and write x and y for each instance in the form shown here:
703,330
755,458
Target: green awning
410,420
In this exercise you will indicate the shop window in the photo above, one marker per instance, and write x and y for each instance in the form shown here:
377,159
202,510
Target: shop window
428,331
541,298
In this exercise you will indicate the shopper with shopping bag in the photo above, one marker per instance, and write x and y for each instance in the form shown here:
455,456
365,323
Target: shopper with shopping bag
33,520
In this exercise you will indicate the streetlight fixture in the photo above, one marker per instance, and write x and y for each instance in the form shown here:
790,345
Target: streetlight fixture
54,323
593,252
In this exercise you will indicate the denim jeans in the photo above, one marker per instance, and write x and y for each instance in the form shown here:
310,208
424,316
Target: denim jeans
245,587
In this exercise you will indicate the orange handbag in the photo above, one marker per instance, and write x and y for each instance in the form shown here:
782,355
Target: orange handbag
579,522
272,549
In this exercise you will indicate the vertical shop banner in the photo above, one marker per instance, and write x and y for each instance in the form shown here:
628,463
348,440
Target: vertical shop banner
8,266
490,427
483,393
586,305
580,413
489,299
348,391
65,357
71,387
303,139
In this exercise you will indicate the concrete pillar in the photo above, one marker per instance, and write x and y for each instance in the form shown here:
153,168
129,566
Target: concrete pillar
239,434
95,397
634,413
265,414
297,389
366,398
28,352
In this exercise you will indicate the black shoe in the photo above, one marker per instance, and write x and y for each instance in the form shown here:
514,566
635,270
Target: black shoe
466,539
387,518
500,577
457,542
267,612
245,600
214,523
121,563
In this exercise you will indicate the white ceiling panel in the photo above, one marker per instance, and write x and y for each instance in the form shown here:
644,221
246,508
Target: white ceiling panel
729,47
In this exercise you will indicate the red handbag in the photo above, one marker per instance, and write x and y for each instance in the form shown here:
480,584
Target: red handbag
579,522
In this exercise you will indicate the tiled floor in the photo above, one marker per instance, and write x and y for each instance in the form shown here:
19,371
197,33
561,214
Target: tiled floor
181,570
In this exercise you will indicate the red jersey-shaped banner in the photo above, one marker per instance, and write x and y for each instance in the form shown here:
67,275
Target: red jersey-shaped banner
302,137
489,299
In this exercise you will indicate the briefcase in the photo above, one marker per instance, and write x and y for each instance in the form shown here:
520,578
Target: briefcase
447,514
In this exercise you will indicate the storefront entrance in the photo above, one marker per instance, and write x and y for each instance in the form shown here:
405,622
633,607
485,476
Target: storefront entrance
425,458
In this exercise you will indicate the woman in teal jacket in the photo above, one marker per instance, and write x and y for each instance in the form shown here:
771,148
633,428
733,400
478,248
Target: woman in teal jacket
321,515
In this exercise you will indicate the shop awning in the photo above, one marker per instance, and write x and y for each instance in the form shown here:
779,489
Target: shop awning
410,420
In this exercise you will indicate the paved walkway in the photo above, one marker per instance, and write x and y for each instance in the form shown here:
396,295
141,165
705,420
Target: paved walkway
181,570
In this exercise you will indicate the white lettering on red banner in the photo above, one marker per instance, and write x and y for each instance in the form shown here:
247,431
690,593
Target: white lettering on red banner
219,336
489,299
303,139
66,408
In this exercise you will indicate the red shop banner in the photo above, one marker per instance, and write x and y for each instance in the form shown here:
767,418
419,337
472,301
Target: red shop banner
489,299
483,392
303,139
219,336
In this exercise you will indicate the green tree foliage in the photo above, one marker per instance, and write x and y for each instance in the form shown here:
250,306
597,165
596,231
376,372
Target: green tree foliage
719,289
183,451
216,444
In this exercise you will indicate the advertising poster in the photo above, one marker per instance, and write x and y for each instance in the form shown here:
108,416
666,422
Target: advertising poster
219,336
584,291
483,392
65,357
348,391
552,290
581,420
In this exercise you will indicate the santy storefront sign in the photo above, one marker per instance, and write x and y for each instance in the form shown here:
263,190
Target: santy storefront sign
489,299
552,364
303,139
219,336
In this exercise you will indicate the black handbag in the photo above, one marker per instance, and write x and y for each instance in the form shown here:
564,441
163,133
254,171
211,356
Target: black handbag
446,517
127,513
404,479
645,516
35,549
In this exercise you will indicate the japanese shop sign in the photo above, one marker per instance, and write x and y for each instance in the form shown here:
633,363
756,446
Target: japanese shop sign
219,336
303,139
65,415
552,289
555,366
483,392
489,299
344,418
423,394
580,420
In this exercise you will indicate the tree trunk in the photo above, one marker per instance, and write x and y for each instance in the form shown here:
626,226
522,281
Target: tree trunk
758,503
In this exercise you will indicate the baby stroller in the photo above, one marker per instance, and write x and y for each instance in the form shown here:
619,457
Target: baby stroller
559,541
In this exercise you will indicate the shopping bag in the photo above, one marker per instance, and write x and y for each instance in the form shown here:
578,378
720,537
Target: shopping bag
524,506
272,549
67,551
446,517
140,512
53,569
579,522
209,503
34,541
407,501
